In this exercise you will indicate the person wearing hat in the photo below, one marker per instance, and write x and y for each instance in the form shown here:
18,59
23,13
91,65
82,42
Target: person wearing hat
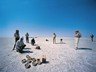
27,37
17,37
20,45
77,38
54,38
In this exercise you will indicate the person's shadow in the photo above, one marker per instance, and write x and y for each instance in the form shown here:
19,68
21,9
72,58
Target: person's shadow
26,50
46,62
84,49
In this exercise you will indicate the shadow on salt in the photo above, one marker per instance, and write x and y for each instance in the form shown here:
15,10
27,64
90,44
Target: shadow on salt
84,49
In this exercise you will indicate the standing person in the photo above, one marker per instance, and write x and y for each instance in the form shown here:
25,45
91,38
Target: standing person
20,45
92,36
54,38
17,37
77,38
27,37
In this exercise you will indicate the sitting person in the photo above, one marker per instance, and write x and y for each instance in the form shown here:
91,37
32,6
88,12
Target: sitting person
61,41
33,41
20,45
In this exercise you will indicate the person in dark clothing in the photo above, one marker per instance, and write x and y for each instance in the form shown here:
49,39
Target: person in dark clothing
33,41
27,37
92,36
17,37
61,41
20,45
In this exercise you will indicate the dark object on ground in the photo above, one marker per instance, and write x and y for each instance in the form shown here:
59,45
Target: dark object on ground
24,61
36,37
34,63
38,47
27,65
44,59
61,40
39,62
33,41
47,40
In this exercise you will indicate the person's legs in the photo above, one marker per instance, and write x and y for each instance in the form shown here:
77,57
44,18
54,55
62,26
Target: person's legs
27,40
53,40
16,39
76,42
92,39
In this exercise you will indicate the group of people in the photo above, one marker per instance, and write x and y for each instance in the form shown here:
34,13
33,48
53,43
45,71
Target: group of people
77,38
19,42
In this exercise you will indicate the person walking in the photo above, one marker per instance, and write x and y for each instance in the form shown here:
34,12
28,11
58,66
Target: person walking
54,38
27,37
77,38
17,37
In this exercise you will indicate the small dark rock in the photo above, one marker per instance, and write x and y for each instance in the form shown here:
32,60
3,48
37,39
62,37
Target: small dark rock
47,40
38,47
43,60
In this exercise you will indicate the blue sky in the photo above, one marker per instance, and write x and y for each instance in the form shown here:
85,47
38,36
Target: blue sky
44,17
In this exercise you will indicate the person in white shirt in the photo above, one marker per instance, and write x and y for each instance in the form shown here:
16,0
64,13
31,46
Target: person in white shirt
77,38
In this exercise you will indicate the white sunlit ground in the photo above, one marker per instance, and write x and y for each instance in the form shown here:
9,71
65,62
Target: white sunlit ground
60,57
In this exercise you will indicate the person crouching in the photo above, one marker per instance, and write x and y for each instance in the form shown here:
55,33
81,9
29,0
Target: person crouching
20,45
33,42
